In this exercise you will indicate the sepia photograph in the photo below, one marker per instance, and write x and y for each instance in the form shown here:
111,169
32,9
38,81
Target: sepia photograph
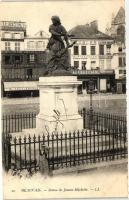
63,99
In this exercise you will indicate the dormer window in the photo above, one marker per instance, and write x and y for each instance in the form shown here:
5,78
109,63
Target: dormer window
17,35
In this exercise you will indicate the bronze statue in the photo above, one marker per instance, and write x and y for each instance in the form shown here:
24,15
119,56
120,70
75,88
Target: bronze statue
58,45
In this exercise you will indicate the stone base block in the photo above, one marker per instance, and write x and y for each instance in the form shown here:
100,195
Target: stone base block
46,124
58,105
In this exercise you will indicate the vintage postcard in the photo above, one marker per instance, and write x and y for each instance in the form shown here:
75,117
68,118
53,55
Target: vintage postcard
63,88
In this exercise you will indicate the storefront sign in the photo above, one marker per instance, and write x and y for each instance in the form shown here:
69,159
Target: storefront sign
18,86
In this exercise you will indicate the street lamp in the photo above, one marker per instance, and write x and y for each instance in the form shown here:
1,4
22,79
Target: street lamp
91,89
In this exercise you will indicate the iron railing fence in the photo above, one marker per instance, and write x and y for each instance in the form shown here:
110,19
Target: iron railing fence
16,122
98,120
65,149
91,120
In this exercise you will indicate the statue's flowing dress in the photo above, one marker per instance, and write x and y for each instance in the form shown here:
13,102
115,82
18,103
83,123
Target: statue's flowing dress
58,53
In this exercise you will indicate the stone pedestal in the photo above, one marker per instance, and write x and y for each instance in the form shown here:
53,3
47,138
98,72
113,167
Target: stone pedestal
58,105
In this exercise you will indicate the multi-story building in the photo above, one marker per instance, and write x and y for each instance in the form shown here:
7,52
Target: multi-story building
117,31
36,43
91,55
21,65
12,35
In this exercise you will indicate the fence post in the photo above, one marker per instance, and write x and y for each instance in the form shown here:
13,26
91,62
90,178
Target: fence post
8,153
84,117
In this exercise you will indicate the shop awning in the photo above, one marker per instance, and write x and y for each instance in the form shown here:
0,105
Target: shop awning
21,85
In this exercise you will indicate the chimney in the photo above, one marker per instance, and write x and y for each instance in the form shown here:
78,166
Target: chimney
94,24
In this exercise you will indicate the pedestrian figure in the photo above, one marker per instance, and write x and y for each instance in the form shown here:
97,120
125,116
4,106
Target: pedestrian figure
43,162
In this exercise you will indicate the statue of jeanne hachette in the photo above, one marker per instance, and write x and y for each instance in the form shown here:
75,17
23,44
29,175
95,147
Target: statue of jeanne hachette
58,57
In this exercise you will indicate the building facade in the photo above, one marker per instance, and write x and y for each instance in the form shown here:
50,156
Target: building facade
12,35
117,31
96,55
21,65
92,54
36,43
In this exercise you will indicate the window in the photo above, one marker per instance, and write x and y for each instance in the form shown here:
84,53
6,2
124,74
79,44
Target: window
76,50
7,46
101,49
92,50
83,50
124,61
93,64
108,48
17,46
30,45
7,59
17,59
108,63
32,58
120,62
7,35
122,71
120,49
84,65
29,72
40,44
76,64
101,64
17,35
120,30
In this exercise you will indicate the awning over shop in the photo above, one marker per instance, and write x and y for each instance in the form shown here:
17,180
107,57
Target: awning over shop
21,85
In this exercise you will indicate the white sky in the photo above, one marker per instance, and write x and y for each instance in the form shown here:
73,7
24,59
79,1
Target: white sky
72,13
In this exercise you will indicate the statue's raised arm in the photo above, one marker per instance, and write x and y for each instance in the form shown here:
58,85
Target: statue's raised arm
57,32
58,47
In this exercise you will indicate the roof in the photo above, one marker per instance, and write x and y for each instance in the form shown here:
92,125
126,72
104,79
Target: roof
120,17
41,34
88,32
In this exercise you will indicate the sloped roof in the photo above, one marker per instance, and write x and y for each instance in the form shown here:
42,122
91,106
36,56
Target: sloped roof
120,17
87,32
